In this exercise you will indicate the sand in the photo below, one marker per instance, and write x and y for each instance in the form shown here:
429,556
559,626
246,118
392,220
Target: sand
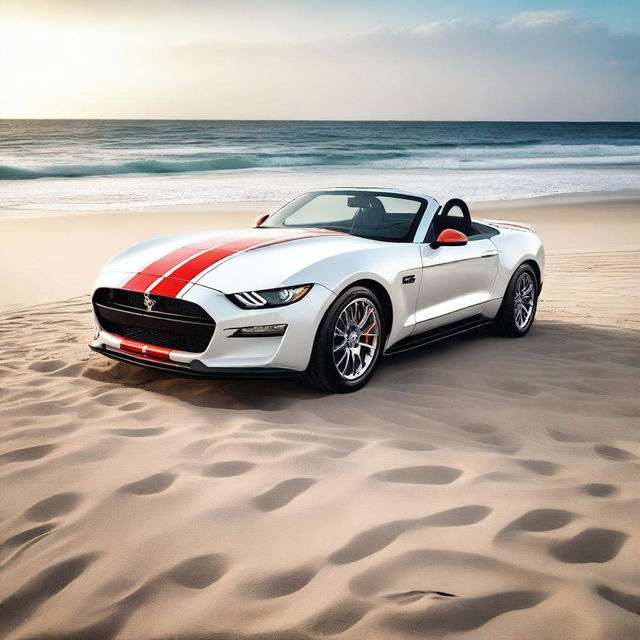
480,488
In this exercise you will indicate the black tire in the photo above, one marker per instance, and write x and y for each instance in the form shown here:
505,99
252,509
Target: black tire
322,372
506,322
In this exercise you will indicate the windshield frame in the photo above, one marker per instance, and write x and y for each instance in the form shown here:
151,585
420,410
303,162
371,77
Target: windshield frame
276,220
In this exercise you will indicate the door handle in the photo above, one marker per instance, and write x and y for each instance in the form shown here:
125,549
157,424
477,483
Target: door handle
489,254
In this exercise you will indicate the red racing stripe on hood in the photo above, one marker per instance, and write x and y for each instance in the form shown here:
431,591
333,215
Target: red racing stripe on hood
171,286
145,278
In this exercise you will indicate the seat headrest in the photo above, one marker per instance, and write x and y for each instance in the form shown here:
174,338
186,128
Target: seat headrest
370,216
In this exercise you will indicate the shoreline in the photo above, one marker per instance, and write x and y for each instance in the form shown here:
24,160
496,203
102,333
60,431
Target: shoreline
577,197
58,257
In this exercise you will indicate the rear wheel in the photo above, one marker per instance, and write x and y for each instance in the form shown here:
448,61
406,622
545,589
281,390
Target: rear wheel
519,305
348,343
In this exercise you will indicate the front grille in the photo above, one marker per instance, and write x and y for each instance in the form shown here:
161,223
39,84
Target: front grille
135,300
172,323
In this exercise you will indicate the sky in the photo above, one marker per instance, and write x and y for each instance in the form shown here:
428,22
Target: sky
321,59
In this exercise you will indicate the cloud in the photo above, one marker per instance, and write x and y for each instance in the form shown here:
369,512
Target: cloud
542,65
545,65
541,19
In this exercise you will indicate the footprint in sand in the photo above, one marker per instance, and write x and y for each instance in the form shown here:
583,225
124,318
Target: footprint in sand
114,398
407,597
199,572
338,617
424,474
138,433
132,406
17,607
487,435
53,506
281,584
27,535
26,454
152,484
282,494
461,614
24,537
408,445
227,469
541,520
480,428
623,600
599,490
613,453
498,476
563,436
377,538
431,569
197,447
542,467
47,366
590,545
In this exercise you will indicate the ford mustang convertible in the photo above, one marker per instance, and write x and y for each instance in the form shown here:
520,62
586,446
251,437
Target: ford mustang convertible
323,287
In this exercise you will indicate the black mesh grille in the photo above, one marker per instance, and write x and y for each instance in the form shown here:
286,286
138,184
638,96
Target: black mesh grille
172,323
160,338
162,304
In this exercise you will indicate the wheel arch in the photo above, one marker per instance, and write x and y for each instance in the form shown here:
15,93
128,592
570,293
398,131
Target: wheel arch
317,371
381,293
536,269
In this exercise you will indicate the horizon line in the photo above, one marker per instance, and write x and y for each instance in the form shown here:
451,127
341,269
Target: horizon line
545,121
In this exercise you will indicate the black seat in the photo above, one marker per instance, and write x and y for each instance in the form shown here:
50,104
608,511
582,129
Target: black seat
459,223
369,218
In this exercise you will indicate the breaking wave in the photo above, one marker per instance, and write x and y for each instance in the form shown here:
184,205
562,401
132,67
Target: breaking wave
228,163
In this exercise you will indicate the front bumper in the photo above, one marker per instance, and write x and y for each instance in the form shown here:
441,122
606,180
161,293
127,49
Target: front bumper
226,355
196,369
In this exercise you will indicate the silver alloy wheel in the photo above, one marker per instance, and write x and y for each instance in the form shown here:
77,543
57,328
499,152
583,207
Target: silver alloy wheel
356,338
524,300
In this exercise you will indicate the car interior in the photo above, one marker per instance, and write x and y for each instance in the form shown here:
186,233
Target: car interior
394,222
455,214
371,220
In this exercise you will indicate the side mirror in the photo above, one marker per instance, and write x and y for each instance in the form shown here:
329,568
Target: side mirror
450,238
260,219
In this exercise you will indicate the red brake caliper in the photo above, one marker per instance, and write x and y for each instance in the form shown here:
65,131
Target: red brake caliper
369,339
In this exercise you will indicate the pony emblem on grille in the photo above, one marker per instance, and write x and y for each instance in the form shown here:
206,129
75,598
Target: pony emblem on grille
149,302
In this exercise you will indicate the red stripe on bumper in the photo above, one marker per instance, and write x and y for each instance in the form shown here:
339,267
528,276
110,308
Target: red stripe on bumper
133,346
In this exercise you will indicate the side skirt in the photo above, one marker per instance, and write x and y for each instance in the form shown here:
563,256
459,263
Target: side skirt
440,333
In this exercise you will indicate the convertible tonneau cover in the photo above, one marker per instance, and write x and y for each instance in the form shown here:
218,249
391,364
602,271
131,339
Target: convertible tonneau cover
504,224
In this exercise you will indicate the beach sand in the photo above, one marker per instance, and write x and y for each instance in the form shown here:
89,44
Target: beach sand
480,488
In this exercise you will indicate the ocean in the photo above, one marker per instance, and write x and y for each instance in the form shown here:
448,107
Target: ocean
79,165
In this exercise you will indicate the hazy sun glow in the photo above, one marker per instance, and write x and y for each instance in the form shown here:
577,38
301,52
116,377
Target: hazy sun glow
282,59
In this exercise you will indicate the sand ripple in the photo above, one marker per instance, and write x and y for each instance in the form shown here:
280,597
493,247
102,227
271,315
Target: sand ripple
482,488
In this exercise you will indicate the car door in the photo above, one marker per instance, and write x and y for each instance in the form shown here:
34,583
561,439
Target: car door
456,281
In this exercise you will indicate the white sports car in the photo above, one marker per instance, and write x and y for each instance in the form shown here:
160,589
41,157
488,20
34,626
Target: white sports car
323,287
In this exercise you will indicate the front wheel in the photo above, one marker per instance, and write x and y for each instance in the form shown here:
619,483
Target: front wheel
519,304
348,343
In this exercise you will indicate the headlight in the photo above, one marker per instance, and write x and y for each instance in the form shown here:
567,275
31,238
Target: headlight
270,297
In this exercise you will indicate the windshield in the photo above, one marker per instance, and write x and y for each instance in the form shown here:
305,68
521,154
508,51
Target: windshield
379,216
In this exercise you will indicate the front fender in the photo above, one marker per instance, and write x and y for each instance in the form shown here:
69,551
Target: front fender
385,265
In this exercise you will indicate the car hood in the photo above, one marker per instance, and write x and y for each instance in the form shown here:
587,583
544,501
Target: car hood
232,261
